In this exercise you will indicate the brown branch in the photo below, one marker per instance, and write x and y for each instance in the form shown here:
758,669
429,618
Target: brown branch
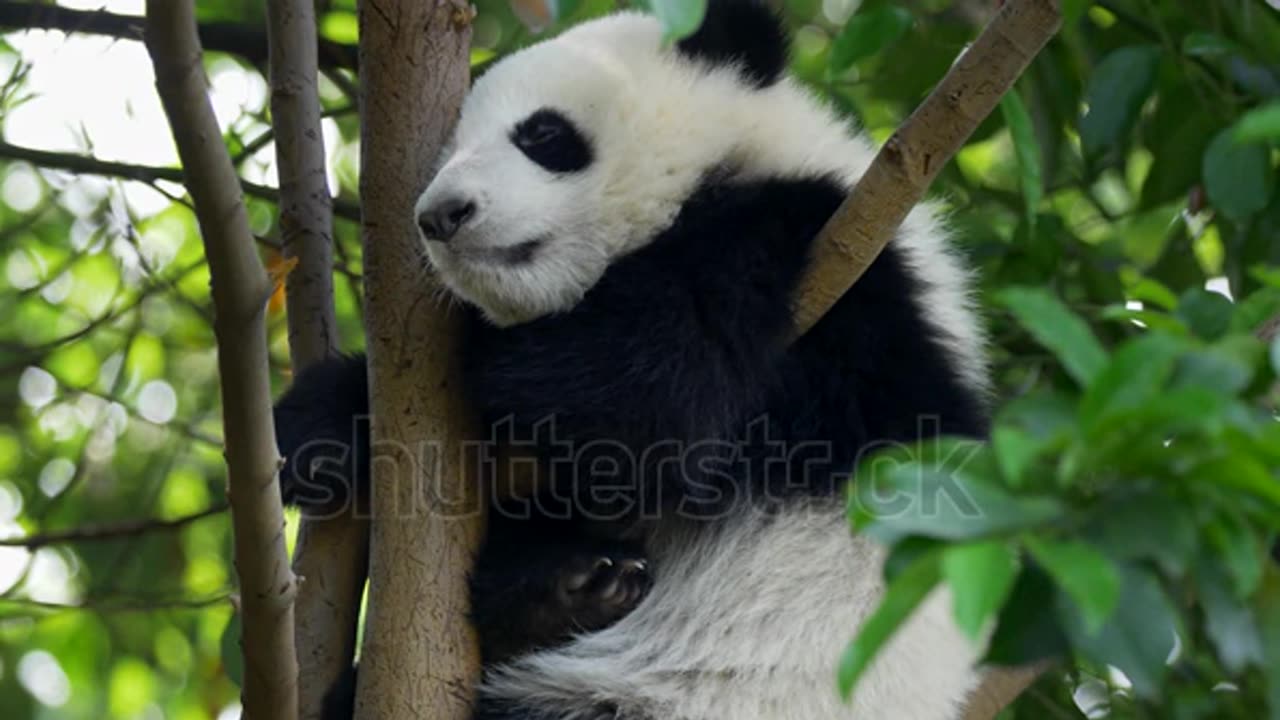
88,165
247,42
116,531
122,604
910,160
897,180
240,287
332,554
420,656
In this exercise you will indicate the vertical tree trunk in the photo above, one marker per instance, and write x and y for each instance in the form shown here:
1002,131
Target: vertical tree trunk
331,558
420,658
240,289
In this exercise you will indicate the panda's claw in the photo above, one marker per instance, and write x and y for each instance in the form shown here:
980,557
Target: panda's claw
608,589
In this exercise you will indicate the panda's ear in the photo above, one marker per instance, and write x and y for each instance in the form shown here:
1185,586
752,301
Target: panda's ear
742,32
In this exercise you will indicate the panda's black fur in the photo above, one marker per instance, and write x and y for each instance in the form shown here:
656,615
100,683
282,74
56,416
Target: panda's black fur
681,344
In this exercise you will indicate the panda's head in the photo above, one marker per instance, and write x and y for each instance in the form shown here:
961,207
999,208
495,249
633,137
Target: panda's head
582,148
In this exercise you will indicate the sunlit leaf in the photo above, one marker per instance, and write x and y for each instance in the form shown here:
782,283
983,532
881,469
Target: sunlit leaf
1030,178
866,34
980,576
1088,576
1259,125
908,589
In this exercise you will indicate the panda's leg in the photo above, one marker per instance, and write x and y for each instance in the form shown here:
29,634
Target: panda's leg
537,582
322,432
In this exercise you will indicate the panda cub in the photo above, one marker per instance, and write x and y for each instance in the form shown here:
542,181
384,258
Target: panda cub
626,222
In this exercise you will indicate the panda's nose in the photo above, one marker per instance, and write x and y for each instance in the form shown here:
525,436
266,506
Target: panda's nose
442,220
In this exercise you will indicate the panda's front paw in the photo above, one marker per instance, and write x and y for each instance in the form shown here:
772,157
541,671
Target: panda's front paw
598,590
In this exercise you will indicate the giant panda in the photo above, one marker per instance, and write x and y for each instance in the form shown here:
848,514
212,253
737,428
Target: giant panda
625,222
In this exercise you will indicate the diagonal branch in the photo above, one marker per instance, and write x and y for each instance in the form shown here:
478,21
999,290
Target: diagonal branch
909,161
240,287
247,42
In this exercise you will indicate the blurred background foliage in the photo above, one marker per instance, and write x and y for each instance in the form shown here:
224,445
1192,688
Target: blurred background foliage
1133,176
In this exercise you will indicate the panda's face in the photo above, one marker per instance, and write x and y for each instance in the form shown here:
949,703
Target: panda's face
525,212
580,149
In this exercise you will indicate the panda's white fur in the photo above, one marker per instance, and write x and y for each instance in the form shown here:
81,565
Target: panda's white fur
708,643
658,123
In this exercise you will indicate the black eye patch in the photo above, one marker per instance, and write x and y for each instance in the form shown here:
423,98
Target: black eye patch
551,140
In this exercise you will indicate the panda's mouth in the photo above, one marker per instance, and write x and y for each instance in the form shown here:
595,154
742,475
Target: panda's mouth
509,256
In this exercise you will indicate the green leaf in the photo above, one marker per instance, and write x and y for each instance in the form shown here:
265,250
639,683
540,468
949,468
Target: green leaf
679,18
561,9
1058,329
866,34
1173,174
981,575
893,500
1148,526
1134,375
1030,177
1203,44
1259,125
1229,623
1139,636
1237,551
1269,617
1024,632
1015,451
1073,10
232,657
1207,313
1238,177
1118,88
1275,353
1226,367
1083,572
1240,472
901,598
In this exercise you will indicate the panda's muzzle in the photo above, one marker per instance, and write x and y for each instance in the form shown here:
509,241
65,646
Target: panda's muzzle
443,219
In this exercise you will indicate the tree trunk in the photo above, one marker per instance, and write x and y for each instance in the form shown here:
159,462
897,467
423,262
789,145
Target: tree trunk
420,656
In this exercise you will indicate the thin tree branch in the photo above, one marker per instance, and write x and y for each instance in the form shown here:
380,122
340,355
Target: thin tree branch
420,657
240,287
910,160
332,554
896,182
97,533
247,42
88,165
122,604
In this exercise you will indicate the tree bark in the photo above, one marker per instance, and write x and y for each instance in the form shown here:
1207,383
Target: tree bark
331,557
420,656
240,289
910,160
